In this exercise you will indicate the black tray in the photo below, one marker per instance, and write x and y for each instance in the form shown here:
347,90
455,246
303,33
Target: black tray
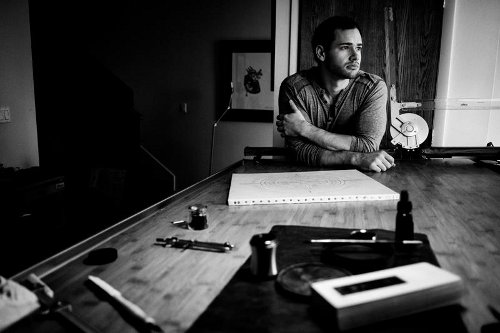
247,305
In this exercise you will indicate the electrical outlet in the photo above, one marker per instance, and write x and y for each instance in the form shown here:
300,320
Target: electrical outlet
184,107
5,114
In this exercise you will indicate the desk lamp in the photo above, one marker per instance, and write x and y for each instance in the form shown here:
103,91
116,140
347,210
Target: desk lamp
215,125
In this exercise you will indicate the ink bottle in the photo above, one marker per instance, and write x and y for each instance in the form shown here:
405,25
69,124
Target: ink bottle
404,219
198,217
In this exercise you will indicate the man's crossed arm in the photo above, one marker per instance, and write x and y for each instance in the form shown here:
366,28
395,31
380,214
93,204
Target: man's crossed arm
336,147
294,124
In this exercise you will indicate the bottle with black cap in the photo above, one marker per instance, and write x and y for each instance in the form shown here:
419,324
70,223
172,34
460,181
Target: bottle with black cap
404,219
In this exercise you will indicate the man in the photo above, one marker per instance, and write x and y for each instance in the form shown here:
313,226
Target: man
334,113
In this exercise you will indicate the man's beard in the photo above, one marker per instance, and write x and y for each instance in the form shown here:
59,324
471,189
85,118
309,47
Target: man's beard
343,73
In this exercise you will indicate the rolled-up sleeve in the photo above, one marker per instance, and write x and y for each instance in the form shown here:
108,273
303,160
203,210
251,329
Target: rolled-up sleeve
372,120
305,151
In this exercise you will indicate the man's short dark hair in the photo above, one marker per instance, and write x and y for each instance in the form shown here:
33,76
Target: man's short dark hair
325,31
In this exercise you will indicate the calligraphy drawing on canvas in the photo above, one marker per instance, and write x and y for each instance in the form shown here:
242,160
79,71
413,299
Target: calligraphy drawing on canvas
306,187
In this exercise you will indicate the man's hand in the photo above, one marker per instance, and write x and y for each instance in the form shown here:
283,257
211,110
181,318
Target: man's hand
291,124
377,161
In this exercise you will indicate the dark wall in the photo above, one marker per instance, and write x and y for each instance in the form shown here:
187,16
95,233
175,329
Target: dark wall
167,52
110,76
85,113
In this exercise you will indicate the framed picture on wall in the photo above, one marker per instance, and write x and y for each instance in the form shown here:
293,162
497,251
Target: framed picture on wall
248,65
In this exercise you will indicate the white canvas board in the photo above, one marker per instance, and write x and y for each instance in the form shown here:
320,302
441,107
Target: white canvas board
306,187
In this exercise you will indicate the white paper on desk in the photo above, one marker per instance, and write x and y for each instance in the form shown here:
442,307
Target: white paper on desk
16,302
306,187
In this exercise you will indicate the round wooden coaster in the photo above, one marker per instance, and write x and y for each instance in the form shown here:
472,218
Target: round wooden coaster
296,279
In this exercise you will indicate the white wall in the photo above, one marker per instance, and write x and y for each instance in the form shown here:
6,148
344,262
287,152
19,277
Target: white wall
285,48
469,68
18,139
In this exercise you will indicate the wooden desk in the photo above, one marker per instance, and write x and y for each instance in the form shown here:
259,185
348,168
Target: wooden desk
455,202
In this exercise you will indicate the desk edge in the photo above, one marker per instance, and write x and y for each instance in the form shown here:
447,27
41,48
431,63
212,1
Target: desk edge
62,258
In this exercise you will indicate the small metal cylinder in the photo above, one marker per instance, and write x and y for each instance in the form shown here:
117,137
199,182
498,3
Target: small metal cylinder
263,260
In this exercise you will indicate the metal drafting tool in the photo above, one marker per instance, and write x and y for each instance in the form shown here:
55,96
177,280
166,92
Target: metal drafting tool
132,309
194,244
362,241
50,305
409,130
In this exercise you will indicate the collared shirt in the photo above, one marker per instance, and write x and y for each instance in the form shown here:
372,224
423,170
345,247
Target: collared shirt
359,110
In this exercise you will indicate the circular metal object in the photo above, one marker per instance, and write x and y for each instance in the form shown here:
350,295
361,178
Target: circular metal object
263,259
296,279
409,130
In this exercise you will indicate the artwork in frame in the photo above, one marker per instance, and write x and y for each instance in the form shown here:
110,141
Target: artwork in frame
248,65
